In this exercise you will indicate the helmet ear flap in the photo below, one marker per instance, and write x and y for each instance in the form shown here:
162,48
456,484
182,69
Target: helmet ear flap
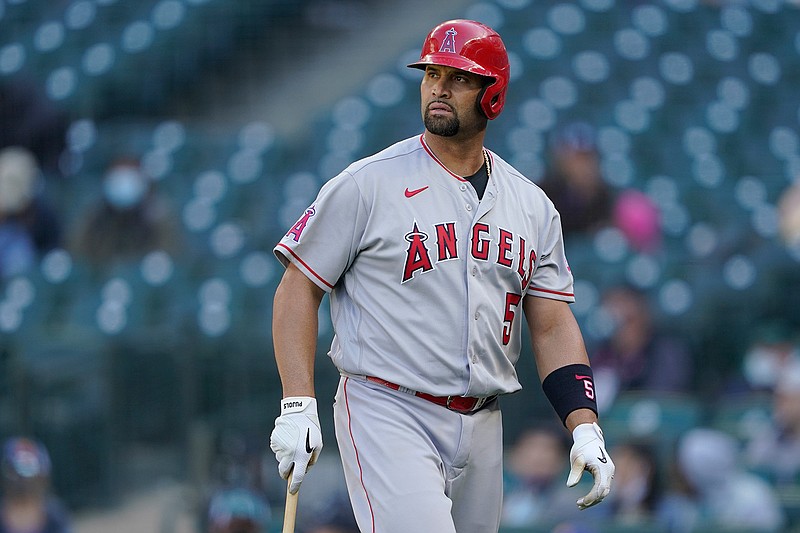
488,98
479,102
492,99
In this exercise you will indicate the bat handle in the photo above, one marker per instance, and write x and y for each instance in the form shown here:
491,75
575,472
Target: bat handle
290,511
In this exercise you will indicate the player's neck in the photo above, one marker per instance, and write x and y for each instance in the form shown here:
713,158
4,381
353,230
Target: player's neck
463,157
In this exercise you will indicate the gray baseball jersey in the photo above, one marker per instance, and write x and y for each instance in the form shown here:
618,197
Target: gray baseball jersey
426,281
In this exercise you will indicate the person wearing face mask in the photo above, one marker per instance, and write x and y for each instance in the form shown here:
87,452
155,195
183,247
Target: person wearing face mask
129,221
28,226
638,488
772,350
533,490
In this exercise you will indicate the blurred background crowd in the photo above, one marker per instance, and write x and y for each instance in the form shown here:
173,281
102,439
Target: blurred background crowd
153,152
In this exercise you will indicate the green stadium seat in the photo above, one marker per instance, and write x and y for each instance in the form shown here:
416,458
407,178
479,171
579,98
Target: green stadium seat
743,415
658,418
790,501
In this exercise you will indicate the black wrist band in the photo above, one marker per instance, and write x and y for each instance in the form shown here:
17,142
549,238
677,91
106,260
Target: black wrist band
569,388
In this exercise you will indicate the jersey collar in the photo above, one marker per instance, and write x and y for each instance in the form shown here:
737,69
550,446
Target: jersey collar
433,156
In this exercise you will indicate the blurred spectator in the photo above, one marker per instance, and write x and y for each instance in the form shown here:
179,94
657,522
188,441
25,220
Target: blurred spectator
30,119
28,227
27,503
775,451
637,488
713,489
130,220
574,181
238,461
637,355
789,216
234,463
534,490
238,511
772,349
638,218
335,517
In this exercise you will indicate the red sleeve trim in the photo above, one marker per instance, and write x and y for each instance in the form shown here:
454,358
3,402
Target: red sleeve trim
305,265
548,291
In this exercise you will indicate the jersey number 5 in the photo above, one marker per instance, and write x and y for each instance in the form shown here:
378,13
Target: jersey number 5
512,301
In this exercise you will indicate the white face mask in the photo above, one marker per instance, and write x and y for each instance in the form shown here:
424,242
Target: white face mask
18,173
761,366
124,187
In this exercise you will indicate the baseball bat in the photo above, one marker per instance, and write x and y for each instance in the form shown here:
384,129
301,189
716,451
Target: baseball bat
290,511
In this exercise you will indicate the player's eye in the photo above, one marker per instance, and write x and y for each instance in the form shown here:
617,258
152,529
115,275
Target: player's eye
464,79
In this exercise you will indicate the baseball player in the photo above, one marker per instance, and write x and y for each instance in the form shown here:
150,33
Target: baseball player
434,252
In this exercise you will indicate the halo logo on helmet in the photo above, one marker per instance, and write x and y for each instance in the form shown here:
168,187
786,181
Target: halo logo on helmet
449,43
474,47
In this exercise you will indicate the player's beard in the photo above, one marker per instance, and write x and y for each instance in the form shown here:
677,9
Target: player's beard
444,127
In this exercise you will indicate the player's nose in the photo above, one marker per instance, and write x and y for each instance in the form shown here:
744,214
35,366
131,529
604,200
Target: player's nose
440,89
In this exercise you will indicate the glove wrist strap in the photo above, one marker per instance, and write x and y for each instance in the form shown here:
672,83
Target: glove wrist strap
297,404
587,431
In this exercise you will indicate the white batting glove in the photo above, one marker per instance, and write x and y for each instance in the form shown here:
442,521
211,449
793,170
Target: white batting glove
296,439
589,453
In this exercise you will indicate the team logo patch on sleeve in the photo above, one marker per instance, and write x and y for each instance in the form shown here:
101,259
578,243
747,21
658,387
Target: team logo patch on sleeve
300,225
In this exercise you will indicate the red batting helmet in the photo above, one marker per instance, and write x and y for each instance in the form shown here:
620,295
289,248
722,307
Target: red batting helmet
475,48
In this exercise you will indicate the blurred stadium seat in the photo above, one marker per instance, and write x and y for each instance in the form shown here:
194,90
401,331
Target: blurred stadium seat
743,415
643,414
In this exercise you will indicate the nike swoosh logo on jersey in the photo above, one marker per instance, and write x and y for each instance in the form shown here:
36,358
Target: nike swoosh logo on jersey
308,443
415,192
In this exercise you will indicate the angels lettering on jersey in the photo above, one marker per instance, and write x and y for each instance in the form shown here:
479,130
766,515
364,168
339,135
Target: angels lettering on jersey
486,244
498,245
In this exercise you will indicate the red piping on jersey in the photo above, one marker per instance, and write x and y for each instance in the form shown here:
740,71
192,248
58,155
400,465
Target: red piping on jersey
358,461
568,294
430,153
305,264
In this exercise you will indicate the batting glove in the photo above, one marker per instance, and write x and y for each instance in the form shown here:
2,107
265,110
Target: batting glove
589,453
296,439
